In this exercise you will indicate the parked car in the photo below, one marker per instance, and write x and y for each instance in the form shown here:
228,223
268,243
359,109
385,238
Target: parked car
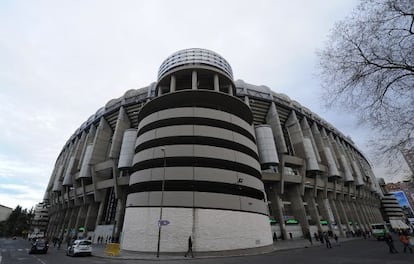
39,246
80,247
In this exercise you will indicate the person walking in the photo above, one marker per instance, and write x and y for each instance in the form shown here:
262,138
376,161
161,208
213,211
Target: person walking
336,239
390,243
404,240
190,248
327,242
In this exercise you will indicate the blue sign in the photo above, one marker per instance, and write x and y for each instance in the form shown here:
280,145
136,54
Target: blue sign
403,201
163,222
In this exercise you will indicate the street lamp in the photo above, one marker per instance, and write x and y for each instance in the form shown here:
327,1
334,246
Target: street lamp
161,204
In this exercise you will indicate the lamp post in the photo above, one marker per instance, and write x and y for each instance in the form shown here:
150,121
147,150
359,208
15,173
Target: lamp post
161,203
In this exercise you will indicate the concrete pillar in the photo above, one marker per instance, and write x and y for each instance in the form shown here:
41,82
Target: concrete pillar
354,208
277,208
172,84
80,218
272,119
230,89
122,124
65,221
119,216
351,213
325,211
364,216
91,215
100,212
343,214
298,209
313,210
216,83
194,80
335,212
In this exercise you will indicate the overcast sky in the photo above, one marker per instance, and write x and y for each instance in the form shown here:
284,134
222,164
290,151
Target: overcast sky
62,60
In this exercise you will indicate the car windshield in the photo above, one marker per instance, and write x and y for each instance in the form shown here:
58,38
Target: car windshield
85,243
378,227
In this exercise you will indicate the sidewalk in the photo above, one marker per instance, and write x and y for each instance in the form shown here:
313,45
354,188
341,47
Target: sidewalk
280,245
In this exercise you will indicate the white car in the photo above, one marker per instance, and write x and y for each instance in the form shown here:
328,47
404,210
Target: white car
80,247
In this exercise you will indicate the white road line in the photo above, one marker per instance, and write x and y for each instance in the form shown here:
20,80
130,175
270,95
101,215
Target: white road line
0,259
41,261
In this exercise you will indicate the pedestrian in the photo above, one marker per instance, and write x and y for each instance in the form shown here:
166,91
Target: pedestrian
321,237
274,236
406,243
59,243
315,235
336,239
390,243
328,243
190,248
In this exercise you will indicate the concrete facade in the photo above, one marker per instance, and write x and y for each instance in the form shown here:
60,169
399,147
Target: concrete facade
223,161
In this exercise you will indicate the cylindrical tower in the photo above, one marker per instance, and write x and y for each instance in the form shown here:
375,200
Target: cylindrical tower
196,160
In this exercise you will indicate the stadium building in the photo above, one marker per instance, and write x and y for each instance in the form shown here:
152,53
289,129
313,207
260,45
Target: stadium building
198,154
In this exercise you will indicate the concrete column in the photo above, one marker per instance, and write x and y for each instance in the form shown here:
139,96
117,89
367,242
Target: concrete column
313,210
364,216
80,218
60,222
230,89
277,205
65,221
172,84
216,83
298,209
100,213
343,214
194,80
272,118
351,213
326,214
119,216
91,216
159,91
354,208
337,217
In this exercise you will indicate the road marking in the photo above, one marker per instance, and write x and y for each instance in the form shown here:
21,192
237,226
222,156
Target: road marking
41,261
0,259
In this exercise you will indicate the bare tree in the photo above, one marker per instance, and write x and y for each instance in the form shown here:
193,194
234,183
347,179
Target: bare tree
368,66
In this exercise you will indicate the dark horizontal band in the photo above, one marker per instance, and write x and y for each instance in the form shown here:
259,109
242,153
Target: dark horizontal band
200,121
196,162
197,186
197,140
198,207
198,98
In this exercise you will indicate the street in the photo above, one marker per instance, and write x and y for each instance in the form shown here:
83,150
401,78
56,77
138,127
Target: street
357,251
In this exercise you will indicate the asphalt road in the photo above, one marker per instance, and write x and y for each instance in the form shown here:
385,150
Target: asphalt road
357,251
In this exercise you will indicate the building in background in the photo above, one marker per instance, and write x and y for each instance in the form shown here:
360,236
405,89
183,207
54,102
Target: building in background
408,155
5,212
404,193
198,154
39,221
